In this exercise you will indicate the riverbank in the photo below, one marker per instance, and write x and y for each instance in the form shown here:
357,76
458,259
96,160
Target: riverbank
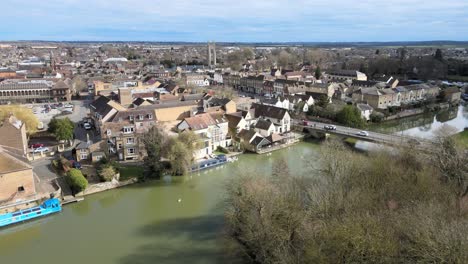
462,138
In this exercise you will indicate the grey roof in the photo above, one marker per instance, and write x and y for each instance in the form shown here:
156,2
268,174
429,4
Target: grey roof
82,145
364,83
351,73
258,140
268,111
25,85
100,105
364,107
263,124
148,115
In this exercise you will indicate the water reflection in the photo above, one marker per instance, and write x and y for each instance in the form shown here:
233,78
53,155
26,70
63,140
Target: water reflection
425,125
455,117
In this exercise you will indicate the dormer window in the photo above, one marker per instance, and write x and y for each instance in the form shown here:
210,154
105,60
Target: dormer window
140,117
150,116
130,117
108,132
127,130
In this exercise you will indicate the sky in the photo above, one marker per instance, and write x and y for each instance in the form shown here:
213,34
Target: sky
234,20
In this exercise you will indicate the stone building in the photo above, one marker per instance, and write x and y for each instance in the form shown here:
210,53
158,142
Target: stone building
33,91
16,180
13,136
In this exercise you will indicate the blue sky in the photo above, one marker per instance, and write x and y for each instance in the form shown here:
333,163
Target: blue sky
241,20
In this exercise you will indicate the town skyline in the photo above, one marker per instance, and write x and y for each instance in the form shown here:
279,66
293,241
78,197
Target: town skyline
264,21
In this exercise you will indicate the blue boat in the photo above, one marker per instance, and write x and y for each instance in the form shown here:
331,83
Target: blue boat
210,163
48,207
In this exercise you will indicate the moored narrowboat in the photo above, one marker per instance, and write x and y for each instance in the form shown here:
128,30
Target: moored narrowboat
48,207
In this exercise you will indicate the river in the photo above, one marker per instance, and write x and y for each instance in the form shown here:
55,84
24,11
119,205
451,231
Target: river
144,223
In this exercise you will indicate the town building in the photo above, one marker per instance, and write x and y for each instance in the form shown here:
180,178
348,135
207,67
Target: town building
13,136
213,130
16,180
344,75
16,91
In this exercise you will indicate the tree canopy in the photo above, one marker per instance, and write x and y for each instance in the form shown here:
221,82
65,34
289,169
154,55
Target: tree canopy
154,141
350,116
76,180
62,128
379,208
22,113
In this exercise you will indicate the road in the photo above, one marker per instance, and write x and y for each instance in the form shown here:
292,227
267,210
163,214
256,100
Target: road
353,132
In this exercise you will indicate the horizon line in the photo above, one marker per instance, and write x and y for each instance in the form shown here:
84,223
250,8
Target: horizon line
240,42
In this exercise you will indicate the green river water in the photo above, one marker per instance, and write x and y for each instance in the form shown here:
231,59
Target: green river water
144,223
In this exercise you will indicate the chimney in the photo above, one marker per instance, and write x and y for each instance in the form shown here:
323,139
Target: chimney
125,96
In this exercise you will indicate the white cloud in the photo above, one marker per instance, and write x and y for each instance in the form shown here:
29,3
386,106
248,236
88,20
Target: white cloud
243,20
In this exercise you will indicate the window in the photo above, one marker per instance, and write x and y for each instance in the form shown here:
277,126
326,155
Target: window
130,140
108,132
21,189
140,117
119,146
131,151
82,150
150,116
84,156
130,117
128,129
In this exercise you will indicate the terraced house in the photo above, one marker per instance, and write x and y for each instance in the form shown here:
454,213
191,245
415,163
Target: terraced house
384,98
123,132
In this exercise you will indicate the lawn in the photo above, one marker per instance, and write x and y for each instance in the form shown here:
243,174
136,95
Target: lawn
130,171
351,141
462,137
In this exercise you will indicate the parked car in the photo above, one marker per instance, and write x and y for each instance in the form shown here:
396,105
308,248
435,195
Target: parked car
87,126
75,164
37,145
41,149
363,133
329,127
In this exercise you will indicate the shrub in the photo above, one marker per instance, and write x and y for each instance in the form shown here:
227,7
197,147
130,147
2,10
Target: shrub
222,150
107,172
64,164
376,117
76,180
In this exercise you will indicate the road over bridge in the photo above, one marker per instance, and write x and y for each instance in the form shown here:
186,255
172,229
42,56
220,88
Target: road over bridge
381,138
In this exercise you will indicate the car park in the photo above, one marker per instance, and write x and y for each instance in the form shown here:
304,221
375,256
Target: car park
363,133
329,127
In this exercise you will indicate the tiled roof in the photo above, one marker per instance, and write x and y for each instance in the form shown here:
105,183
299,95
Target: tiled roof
268,111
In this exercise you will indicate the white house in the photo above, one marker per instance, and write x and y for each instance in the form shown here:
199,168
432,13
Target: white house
264,127
212,128
366,110
278,116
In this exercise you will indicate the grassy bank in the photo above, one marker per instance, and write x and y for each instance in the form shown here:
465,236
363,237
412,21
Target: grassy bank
462,138
130,171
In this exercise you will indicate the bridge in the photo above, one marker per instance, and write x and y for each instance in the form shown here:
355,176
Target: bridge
380,138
